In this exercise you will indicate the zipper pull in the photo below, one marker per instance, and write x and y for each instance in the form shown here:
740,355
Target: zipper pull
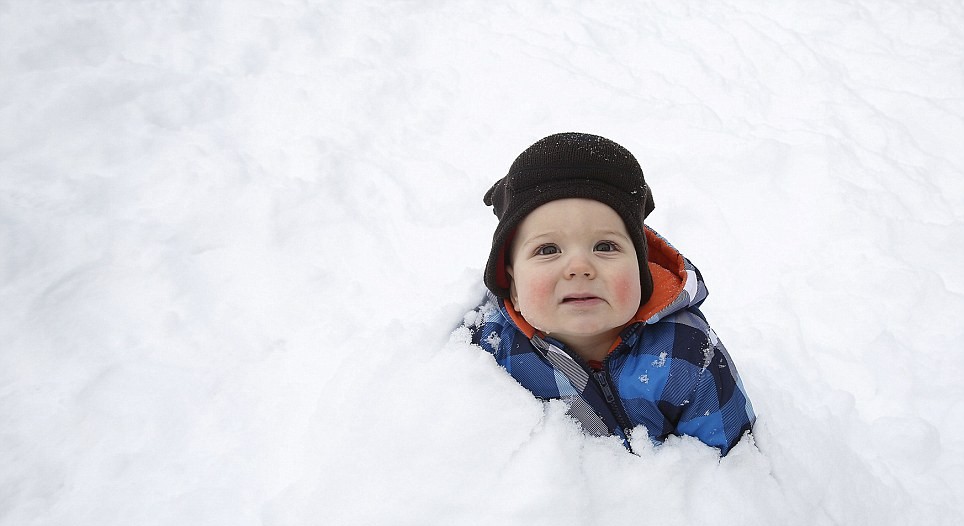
600,376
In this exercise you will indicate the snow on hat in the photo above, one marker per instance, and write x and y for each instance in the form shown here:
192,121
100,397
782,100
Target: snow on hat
568,165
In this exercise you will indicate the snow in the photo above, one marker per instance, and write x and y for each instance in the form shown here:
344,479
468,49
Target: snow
235,238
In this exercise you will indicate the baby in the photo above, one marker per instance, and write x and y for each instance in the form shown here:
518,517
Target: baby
589,305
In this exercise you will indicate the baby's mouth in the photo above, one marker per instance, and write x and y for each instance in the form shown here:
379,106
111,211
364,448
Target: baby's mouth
580,299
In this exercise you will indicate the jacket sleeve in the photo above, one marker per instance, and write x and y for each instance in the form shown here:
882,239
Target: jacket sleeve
717,410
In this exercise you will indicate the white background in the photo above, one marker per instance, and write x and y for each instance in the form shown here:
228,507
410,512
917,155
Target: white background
236,236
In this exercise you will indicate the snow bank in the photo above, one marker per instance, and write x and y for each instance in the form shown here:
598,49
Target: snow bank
235,239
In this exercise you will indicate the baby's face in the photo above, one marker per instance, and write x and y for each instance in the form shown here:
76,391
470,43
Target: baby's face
574,273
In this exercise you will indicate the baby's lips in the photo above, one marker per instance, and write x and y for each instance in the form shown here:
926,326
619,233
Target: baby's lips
579,297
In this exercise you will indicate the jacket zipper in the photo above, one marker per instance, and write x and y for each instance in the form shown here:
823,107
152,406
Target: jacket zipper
604,381
600,377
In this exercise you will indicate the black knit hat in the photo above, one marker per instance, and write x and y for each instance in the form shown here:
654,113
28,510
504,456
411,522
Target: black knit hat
562,166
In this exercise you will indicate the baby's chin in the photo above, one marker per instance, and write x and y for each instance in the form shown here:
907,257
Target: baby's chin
584,332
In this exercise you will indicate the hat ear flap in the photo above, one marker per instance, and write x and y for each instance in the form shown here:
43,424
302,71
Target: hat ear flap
495,197
488,195
501,266
648,204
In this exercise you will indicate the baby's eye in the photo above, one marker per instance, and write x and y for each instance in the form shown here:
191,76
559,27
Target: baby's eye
605,246
547,250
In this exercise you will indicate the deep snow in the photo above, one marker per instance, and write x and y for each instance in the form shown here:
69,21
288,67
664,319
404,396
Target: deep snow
235,238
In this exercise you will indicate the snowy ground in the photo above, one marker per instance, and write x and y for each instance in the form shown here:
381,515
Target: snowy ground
235,238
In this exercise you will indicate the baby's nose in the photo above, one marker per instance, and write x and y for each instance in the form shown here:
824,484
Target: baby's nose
580,265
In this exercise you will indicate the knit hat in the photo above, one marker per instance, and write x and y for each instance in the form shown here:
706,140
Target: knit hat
561,166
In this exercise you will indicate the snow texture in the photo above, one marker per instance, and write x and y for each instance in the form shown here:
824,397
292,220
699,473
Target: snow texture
235,238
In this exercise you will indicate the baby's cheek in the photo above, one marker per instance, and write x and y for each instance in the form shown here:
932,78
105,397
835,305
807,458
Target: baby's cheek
540,290
627,290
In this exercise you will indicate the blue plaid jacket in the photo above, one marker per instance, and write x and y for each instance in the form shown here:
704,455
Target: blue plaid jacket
667,372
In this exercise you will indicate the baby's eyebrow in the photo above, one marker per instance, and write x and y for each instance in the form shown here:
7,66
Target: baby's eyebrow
612,233
534,238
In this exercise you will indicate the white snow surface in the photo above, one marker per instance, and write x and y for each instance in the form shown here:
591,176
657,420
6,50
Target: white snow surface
235,238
